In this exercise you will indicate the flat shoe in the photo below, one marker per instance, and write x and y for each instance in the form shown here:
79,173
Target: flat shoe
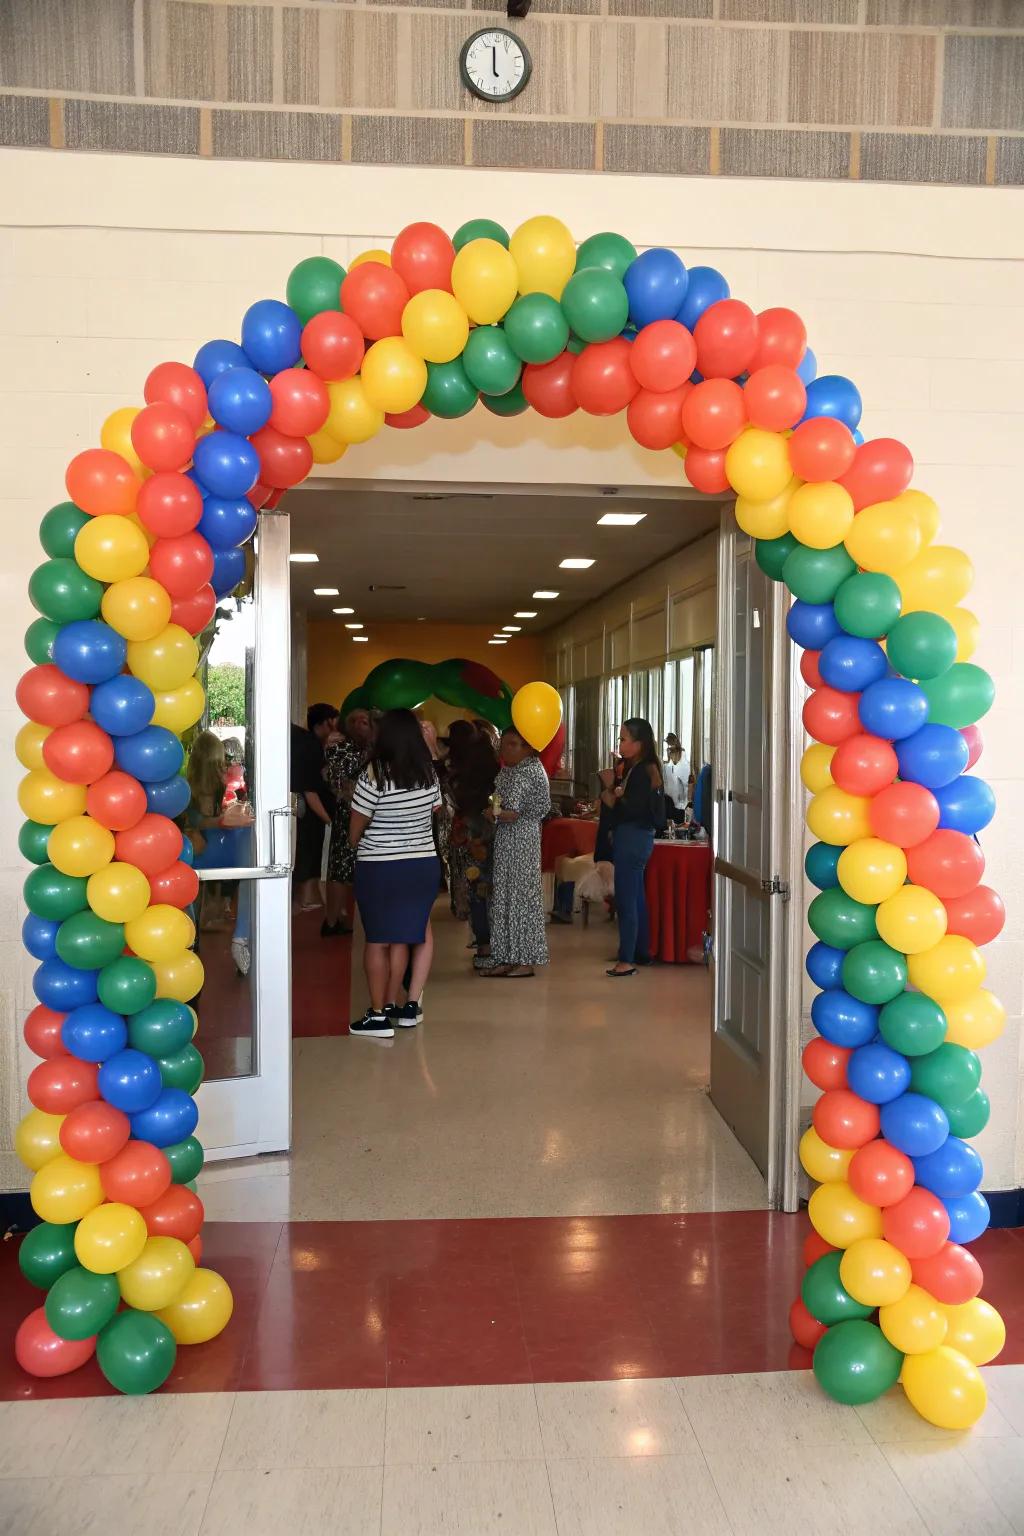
617,974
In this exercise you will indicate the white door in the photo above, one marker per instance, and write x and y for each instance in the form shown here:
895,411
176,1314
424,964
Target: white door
245,1014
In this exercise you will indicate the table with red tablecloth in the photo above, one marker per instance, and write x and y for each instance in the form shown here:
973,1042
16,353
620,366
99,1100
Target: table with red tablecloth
565,836
678,890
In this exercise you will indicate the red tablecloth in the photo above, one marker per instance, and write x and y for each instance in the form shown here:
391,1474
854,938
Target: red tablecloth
678,890
565,835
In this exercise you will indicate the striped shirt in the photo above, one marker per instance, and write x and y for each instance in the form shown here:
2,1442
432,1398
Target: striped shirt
401,820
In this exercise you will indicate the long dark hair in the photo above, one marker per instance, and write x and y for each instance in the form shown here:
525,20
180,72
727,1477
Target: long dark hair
400,756
641,731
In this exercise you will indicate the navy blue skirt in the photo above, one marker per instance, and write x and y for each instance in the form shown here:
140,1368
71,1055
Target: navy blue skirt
395,897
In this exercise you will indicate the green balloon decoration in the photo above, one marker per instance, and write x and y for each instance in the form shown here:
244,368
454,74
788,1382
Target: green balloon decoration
950,1074
62,591
837,919
186,1159
448,393
400,684
921,645
136,1352
912,1024
960,696
89,942
868,604
80,1303
39,638
490,363
161,1028
575,345
815,575
595,304
182,1069
536,328
821,865
47,1252
874,972
315,285
127,985
855,1363
772,554
34,843
53,895
512,403
971,1117
59,529
825,1296
480,229
612,252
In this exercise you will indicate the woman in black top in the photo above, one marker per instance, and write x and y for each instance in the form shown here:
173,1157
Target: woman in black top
637,805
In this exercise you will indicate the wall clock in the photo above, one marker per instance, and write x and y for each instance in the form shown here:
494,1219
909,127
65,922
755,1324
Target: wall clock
494,64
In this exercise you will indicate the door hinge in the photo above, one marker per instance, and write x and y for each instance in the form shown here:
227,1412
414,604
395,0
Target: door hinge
776,886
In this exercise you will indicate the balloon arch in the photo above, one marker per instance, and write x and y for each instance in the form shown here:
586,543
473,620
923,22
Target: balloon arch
154,533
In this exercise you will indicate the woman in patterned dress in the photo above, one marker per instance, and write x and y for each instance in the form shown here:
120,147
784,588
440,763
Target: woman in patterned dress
522,800
343,763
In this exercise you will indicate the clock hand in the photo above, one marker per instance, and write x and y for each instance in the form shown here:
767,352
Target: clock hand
494,62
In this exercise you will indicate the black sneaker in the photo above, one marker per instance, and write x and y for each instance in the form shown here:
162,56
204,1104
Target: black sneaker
372,1026
406,1015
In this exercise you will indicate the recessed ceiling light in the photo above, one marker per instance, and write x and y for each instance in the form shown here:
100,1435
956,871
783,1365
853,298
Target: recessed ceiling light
353,626
621,519
498,642
422,619
325,591
304,558
343,610
361,639
545,594
575,565
525,613
512,629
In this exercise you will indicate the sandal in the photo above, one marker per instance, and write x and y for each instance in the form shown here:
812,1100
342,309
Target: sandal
616,974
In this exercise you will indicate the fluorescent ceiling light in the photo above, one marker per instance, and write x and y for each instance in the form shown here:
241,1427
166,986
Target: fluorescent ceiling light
621,519
498,642
361,639
545,594
511,629
325,592
575,565
307,558
525,613
343,610
353,626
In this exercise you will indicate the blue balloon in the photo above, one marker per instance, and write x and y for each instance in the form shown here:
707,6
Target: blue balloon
655,284
878,1073
226,464
812,625
188,852
825,965
821,865
892,708
169,797
850,664
130,1080
93,1033
969,1215
239,399
228,570
226,524
203,490
150,755
858,437
39,936
271,335
171,1117
63,987
844,1020
933,756
706,286
914,1124
952,1170
89,651
832,395
965,805
123,706
216,357
807,367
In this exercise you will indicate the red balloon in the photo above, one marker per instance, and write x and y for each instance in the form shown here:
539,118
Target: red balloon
821,449
781,339
918,1225
815,1248
138,1174
422,255
714,413
726,338
182,565
831,716
195,1248
99,480
300,403
809,669
42,1032
193,613
176,1213
948,863
705,470
151,845
864,764
904,814
653,418
881,469
80,753
48,697
805,1329
880,1174
40,1352
374,295
163,437
553,754
978,916
117,801
333,345
975,744
169,505
61,1083
663,355
259,495
414,417
177,886
94,1132
284,461
548,386
602,380
177,384
775,397
843,1119
952,1275
825,1063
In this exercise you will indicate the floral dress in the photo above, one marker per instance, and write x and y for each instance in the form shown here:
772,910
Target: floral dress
518,934
343,763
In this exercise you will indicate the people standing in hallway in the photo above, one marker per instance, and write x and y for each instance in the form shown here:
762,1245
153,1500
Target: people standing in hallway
522,798
344,757
472,771
221,837
676,769
635,795
315,804
397,874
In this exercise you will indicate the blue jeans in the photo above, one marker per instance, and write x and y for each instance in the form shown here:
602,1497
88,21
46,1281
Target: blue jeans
631,850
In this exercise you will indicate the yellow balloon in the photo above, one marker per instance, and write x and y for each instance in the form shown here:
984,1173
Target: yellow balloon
352,418
116,434
195,1021
837,817
757,465
537,714
45,798
945,1387
28,745
485,281
118,893
393,376
65,1190
821,1162
159,933
815,771
326,449
545,255
158,1276
111,1236
202,1310
110,548
136,522
915,1323
179,978
976,1020
80,846
841,1217
206,428
912,919
383,257
167,660
924,512
968,631
871,870
936,581
138,608
884,537
821,514
178,708
948,972
976,1330
766,519
37,1139
435,325
875,1272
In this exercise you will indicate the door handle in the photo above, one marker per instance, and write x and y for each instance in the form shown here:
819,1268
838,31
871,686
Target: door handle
277,869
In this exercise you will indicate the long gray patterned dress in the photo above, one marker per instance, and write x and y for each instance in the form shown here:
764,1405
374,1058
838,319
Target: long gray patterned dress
518,935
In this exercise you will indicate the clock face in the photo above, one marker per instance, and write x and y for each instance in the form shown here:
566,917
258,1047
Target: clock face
494,64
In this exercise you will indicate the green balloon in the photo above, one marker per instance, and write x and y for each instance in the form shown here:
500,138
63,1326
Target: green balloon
400,684
136,1352
610,251
512,403
448,393
960,696
126,985
62,591
39,638
821,863
826,1297
950,1074
815,575
491,365
837,919
912,1024
314,285
575,345
480,229
193,1186
868,604
59,529
595,304
47,1252
51,894
874,972
536,328
33,842
80,1303
186,1159
357,699
182,1069
89,942
772,554
921,645
855,1363
160,1028
970,1117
